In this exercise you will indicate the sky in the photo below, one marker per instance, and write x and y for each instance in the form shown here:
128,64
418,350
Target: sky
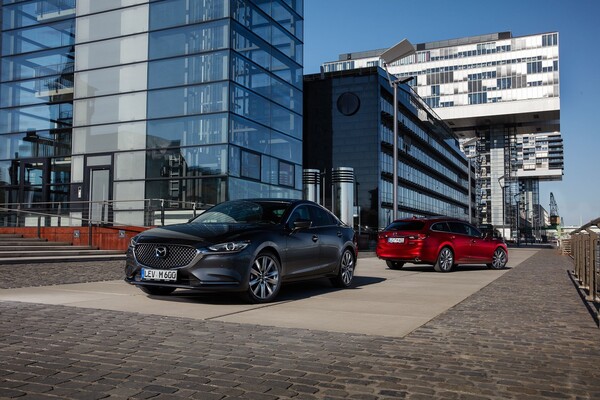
333,27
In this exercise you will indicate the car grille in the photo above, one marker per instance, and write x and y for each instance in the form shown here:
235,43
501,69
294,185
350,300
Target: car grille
176,255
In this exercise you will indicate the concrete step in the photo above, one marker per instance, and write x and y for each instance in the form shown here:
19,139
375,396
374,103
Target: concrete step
51,246
20,240
36,243
52,259
57,253
10,235
17,249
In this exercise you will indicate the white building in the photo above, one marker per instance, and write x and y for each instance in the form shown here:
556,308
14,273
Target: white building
501,96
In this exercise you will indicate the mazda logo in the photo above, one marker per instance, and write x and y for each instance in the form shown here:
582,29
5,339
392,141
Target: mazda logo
160,252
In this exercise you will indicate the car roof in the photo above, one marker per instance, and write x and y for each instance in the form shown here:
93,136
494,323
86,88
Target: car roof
430,219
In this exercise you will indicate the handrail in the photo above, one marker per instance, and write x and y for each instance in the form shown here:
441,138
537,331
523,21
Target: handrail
141,213
585,250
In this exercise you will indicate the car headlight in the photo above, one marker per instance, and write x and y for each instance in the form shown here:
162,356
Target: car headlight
229,247
133,241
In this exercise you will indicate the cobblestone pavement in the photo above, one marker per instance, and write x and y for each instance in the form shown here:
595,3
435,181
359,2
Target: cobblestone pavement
58,273
527,335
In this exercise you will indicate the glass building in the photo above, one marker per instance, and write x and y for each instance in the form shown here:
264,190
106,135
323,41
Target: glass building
122,101
501,96
348,122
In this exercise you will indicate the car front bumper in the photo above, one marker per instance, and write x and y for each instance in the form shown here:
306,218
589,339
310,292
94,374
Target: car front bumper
207,272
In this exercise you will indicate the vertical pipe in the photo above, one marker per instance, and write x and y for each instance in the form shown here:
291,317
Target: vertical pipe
395,169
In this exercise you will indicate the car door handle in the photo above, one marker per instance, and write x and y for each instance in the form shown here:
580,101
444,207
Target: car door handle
339,234
315,238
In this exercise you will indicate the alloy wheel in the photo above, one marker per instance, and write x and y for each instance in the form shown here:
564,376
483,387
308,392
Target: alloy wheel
264,278
347,268
499,259
445,260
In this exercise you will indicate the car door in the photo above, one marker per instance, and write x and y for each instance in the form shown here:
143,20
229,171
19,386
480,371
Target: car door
329,237
302,245
461,241
478,245
482,246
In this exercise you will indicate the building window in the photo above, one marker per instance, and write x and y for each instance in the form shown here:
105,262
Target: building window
250,166
286,174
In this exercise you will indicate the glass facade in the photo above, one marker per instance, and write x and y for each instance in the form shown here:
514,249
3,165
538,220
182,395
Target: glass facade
432,170
185,101
36,106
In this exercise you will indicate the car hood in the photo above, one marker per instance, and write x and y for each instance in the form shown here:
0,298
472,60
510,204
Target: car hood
200,234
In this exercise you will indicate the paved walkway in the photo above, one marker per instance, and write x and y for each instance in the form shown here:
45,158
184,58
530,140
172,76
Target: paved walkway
526,335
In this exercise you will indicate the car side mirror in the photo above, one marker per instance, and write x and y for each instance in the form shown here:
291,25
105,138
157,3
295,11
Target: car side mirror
302,224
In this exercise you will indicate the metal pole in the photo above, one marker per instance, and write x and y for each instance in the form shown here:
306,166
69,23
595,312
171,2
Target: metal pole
503,215
470,211
395,169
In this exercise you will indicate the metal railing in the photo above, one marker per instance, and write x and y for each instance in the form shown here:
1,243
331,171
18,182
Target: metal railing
138,213
585,250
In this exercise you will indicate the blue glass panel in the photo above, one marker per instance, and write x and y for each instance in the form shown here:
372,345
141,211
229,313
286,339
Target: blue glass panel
165,14
250,46
186,162
234,161
187,131
250,165
32,13
248,15
198,190
189,39
188,70
39,91
58,34
51,62
36,144
243,189
36,118
250,105
187,100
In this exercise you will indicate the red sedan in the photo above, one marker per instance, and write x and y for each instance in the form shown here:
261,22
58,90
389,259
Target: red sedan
440,241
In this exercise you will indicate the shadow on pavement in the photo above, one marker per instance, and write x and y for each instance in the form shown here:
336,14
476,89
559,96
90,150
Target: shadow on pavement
289,292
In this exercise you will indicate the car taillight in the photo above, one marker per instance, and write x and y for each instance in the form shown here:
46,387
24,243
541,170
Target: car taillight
420,236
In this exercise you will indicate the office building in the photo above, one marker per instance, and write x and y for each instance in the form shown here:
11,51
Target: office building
120,102
348,122
500,95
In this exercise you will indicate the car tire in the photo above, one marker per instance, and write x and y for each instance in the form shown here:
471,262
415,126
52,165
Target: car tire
345,271
499,259
157,290
264,278
395,264
445,260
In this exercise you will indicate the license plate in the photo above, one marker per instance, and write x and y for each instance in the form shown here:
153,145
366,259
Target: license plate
158,275
396,240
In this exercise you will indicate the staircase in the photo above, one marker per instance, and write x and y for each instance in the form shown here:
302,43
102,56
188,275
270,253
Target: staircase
17,249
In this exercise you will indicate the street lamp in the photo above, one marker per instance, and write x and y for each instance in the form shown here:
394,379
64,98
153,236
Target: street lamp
502,183
395,53
517,200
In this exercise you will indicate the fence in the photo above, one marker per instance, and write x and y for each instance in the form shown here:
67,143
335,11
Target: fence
585,250
144,213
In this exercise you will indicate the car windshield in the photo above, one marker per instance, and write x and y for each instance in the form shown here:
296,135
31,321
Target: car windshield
241,212
405,226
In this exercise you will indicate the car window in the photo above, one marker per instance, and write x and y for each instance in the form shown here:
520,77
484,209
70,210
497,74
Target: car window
300,212
440,227
458,227
243,212
320,217
406,226
472,231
